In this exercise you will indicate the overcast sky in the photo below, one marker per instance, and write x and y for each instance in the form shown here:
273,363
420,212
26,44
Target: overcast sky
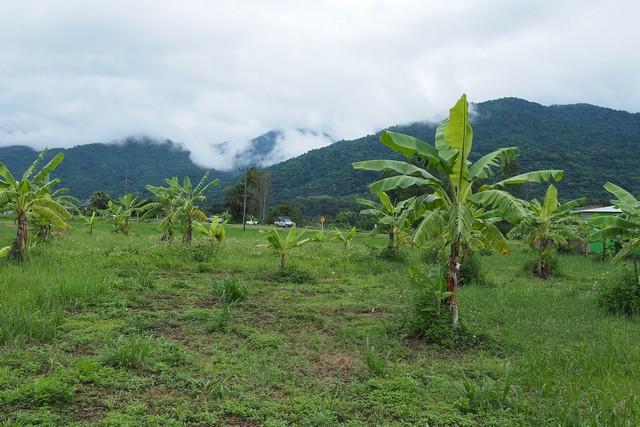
206,72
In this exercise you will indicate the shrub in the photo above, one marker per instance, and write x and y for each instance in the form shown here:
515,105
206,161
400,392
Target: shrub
231,290
620,294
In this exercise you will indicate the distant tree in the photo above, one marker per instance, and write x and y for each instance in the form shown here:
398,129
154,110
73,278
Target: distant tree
284,209
346,218
258,189
99,200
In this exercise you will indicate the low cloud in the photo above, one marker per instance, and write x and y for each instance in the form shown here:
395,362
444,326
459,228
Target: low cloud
214,75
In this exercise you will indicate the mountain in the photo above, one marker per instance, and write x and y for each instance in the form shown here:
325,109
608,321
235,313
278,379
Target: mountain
592,144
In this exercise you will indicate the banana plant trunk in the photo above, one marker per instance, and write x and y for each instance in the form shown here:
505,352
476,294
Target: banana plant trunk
188,231
19,245
283,256
453,280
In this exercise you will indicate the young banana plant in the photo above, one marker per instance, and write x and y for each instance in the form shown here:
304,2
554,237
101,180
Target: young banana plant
345,238
215,232
283,245
90,221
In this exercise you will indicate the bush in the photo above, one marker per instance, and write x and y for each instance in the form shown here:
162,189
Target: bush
231,290
550,267
620,294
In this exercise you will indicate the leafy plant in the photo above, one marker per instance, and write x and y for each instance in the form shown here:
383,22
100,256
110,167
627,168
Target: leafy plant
548,226
283,245
231,290
345,238
215,232
462,212
90,221
395,221
165,205
121,212
187,199
376,364
31,195
620,294
624,228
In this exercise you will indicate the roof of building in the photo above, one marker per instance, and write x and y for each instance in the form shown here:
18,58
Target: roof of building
604,209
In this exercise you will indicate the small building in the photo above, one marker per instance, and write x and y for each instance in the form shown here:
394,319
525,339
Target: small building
587,213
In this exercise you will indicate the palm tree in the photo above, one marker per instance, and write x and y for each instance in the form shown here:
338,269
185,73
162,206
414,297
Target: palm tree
187,200
395,221
461,218
31,195
548,226
283,244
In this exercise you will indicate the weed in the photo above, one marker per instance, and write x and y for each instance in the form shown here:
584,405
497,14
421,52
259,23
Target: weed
130,352
231,290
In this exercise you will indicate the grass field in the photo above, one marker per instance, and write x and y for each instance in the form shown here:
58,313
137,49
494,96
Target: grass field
111,330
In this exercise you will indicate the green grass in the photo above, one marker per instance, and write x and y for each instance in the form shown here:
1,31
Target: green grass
106,329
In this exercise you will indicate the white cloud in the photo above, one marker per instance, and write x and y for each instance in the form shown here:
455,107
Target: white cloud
208,72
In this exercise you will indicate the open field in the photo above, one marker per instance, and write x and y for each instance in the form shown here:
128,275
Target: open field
111,330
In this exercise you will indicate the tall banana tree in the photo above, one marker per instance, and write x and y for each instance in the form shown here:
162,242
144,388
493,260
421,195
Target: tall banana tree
624,228
188,198
394,220
548,226
31,195
462,216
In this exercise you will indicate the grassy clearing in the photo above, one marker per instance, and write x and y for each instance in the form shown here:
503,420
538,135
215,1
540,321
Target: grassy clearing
112,330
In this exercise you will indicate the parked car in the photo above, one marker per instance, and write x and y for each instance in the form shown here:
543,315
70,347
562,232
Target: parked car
220,220
284,222
252,222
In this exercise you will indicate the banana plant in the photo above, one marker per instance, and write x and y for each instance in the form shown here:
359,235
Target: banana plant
31,195
215,232
345,238
464,209
164,205
4,251
121,212
187,199
548,226
395,221
624,228
283,245
90,221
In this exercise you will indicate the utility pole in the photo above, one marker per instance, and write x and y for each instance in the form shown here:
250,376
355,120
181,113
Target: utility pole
244,201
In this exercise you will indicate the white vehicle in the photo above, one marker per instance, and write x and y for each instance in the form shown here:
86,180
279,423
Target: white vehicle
252,222
284,222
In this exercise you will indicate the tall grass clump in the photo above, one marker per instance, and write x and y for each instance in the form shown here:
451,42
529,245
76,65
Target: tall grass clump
620,294
231,290
130,352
